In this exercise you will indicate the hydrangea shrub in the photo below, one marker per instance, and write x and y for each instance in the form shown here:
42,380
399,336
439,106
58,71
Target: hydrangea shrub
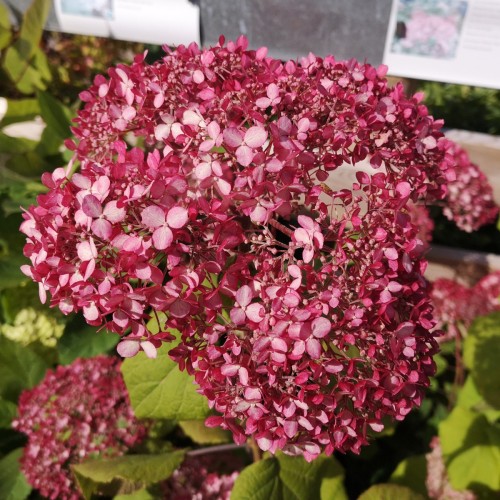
207,192
77,412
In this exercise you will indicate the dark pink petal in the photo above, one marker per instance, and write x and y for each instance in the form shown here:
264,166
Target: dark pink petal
179,308
91,206
177,217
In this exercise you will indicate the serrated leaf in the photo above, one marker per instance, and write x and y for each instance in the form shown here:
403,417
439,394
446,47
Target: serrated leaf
197,431
8,411
390,492
136,471
20,368
84,342
13,485
20,110
55,114
158,389
412,473
471,448
481,355
290,478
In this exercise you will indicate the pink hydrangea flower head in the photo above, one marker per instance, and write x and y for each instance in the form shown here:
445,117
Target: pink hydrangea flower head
77,412
301,303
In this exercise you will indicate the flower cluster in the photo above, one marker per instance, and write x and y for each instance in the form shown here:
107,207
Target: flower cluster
200,478
78,411
207,192
469,201
31,325
456,305
437,482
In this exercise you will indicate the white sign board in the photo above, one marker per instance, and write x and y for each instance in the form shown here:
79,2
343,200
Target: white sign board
455,41
171,22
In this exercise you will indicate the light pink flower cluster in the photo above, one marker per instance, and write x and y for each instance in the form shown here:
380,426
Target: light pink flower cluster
302,307
200,478
437,482
469,201
77,412
457,305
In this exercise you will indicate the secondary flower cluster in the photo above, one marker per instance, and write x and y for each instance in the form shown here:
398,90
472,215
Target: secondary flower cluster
457,305
200,478
437,481
469,200
77,412
304,314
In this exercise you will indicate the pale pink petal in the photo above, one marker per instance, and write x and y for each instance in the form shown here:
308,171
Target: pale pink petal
232,137
162,132
42,294
129,113
91,206
301,236
177,217
273,91
319,239
263,102
91,312
403,189
229,370
153,216
307,255
306,222
244,155
321,327
114,213
258,214
264,443
237,316
223,186
128,348
255,137
255,312
213,130
244,295
290,427
102,228
198,76
149,349
86,251
101,186
158,101
313,348
162,238
121,319
207,145
216,168
279,345
81,181
243,376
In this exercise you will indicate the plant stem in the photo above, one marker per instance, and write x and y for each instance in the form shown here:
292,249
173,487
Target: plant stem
256,451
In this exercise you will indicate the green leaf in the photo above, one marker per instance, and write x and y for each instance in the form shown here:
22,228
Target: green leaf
9,145
481,355
20,110
20,368
8,411
469,398
471,448
290,478
133,471
201,434
412,473
158,389
13,485
84,342
142,494
55,114
5,28
390,492
24,62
